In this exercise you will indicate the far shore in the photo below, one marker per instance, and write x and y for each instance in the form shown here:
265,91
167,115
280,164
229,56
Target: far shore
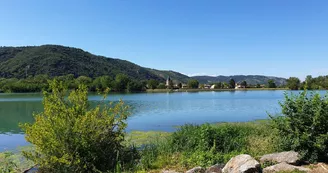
200,90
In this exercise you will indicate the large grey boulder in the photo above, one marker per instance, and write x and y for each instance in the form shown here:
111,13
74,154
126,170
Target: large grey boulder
284,167
196,170
242,164
215,169
290,157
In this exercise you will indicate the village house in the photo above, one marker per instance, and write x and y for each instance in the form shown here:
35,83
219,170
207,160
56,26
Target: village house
184,86
239,86
206,86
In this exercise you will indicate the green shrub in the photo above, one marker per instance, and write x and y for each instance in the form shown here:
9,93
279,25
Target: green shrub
303,126
71,137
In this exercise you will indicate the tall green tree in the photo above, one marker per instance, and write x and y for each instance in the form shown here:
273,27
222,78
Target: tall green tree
193,83
232,84
121,82
152,84
293,83
271,84
101,83
309,82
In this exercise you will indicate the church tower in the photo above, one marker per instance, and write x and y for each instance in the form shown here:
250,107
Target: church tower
169,83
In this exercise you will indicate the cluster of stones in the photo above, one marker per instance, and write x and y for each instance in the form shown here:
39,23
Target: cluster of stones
280,162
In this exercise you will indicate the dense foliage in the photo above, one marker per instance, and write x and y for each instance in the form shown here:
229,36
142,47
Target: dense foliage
40,82
152,84
193,84
271,84
71,137
310,83
320,82
293,83
55,60
303,126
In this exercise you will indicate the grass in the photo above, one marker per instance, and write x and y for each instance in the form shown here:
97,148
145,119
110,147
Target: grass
140,138
205,145
294,171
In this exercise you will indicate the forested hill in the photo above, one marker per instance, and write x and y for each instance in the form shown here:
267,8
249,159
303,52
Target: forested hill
55,60
250,79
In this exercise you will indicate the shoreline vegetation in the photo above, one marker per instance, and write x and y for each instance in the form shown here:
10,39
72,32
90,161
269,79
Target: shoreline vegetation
78,138
124,84
207,90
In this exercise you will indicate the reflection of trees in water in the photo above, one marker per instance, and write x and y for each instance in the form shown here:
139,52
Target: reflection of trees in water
13,113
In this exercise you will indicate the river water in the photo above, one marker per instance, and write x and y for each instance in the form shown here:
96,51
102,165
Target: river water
151,111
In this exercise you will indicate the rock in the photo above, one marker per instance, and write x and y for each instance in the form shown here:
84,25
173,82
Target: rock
290,157
242,164
215,169
196,170
280,167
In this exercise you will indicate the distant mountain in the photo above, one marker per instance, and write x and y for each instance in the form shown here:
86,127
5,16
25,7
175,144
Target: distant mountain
250,79
55,60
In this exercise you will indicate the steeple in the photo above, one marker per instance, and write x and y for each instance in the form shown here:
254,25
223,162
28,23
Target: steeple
168,80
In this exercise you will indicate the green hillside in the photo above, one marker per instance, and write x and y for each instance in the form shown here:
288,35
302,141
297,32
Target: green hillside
55,60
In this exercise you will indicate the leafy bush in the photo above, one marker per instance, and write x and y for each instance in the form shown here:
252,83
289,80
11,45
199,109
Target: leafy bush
71,137
303,126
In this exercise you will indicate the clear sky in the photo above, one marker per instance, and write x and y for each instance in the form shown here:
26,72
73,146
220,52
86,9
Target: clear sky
213,37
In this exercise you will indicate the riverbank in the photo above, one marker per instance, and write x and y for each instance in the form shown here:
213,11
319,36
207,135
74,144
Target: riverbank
190,146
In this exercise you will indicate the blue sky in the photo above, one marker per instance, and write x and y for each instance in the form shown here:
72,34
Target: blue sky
268,37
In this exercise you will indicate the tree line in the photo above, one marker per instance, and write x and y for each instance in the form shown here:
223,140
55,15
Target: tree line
123,83
310,83
38,83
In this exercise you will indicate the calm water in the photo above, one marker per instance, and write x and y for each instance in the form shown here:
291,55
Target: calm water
159,111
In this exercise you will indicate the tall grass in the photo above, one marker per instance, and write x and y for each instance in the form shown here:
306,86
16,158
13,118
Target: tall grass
208,144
